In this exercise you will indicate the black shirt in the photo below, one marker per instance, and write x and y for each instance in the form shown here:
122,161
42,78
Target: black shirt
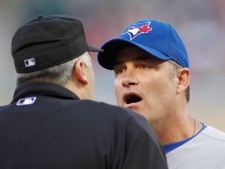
47,126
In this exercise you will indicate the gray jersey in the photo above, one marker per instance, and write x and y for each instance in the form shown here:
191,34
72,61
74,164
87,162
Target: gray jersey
206,150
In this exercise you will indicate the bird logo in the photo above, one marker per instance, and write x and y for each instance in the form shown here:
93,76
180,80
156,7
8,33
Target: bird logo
137,29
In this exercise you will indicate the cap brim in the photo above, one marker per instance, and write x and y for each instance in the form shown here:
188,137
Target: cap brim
112,47
94,49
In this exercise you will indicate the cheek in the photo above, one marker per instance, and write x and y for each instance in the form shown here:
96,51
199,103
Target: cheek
118,90
155,87
165,90
117,84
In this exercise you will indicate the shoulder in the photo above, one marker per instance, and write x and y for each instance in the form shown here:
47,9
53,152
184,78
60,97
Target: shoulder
110,109
107,112
214,133
111,115
205,150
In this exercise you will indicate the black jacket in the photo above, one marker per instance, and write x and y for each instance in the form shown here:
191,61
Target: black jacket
48,127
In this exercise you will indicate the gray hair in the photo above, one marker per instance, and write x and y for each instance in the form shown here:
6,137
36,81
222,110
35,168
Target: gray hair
175,66
59,74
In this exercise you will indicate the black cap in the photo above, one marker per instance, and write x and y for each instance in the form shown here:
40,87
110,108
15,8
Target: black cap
47,41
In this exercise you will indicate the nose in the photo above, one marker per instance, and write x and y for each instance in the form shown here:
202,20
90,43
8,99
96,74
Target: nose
129,79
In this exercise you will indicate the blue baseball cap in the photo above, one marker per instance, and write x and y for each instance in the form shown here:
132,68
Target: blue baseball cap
157,38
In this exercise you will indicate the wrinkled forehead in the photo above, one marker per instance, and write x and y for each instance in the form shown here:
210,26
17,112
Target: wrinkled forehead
133,53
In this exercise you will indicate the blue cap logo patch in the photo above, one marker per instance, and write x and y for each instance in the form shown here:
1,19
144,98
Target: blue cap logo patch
138,29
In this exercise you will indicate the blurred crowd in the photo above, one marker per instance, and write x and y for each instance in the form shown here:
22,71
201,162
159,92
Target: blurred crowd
200,23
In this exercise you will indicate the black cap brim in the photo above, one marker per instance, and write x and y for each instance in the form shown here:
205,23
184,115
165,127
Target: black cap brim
94,49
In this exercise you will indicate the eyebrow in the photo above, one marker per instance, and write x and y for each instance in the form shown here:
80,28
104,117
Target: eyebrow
137,58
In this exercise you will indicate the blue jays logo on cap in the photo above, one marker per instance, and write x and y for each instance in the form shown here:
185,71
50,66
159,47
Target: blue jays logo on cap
138,29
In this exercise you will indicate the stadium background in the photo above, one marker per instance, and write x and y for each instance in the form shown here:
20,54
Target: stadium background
201,25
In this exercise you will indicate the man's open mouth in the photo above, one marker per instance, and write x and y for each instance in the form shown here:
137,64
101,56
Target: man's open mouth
131,98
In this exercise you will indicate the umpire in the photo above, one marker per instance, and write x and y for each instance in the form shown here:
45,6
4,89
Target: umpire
52,122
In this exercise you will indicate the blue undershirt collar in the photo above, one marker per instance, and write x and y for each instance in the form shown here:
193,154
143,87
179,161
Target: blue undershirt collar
172,146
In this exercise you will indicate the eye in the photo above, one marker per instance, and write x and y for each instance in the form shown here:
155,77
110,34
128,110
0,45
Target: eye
118,70
145,66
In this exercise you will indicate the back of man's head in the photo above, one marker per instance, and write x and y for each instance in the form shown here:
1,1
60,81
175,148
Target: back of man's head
48,41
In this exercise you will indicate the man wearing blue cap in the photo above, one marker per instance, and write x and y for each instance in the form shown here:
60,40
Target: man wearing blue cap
152,78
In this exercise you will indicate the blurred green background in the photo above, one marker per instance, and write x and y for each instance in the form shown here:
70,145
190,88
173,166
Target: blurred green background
201,25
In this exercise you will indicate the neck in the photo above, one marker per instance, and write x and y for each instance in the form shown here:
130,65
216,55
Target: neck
70,85
178,130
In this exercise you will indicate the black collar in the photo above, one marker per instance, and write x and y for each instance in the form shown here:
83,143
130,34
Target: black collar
42,88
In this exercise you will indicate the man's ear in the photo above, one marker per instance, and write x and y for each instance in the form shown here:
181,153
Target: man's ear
183,76
80,73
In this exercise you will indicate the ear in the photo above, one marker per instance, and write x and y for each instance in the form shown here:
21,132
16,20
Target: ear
79,72
183,76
